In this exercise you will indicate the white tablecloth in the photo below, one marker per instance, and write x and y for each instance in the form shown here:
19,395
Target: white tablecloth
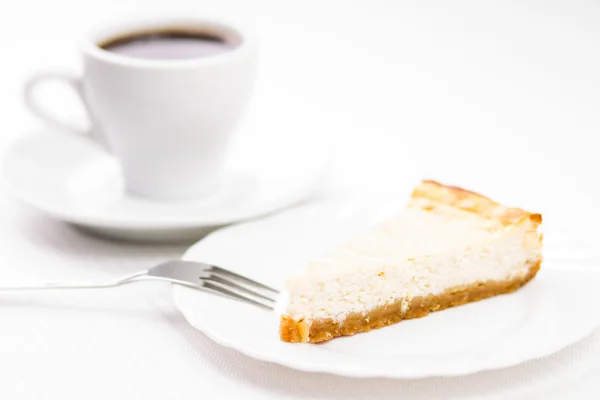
132,342
500,97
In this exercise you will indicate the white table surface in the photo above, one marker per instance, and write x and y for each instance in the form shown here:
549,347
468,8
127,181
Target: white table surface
500,97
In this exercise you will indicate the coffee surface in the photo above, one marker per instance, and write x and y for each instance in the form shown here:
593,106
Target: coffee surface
167,45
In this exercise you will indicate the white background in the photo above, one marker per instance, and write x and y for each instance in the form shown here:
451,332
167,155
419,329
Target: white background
500,96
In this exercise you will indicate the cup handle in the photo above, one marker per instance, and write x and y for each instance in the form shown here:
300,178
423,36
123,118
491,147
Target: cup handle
45,113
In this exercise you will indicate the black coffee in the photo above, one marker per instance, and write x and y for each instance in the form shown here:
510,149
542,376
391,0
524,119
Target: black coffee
169,45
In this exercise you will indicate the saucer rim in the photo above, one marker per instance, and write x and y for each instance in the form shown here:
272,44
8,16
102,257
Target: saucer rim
294,197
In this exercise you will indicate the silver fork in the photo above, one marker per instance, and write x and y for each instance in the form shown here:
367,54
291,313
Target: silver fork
196,275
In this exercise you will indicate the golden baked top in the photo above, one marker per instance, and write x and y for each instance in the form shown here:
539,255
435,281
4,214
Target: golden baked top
430,194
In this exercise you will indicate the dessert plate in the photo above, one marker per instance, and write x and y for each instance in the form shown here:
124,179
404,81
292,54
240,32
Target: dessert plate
69,178
550,313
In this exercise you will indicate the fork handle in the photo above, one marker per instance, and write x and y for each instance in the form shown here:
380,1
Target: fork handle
137,276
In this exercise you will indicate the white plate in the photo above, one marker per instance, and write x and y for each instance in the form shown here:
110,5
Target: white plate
551,312
71,179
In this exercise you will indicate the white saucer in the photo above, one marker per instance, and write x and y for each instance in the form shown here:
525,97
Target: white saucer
550,313
73,180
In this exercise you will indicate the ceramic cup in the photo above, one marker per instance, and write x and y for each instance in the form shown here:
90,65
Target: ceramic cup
168,122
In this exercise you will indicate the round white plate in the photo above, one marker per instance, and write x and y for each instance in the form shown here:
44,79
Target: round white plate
554,310
71,179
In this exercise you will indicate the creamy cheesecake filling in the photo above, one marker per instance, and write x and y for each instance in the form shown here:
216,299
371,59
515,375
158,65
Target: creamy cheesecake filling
416,254
449,247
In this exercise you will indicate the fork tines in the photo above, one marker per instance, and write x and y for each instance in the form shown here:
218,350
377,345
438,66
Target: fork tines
239,287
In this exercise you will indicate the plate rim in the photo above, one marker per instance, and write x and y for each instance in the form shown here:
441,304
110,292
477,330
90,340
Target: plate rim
364,372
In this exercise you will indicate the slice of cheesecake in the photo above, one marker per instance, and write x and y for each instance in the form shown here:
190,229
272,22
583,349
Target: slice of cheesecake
448,247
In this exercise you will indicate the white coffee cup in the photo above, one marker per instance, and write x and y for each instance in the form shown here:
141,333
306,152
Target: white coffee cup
168,122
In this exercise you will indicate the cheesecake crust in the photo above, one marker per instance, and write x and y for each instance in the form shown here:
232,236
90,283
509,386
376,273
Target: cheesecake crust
325,329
